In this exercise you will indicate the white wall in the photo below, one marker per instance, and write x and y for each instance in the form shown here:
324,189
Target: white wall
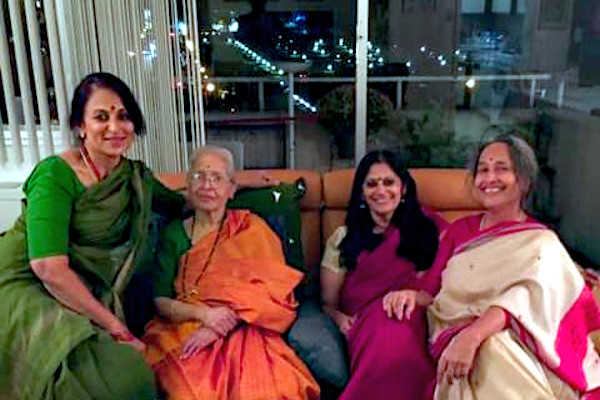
10,204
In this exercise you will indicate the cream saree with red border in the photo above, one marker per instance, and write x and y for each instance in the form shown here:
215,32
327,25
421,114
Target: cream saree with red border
547,352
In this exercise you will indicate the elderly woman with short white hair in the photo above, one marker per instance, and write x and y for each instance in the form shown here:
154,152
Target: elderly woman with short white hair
224,296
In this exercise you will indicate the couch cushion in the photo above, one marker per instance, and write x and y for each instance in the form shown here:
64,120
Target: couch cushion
280,207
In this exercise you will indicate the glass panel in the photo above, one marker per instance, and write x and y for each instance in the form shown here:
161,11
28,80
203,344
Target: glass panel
459,73
501,6
256,52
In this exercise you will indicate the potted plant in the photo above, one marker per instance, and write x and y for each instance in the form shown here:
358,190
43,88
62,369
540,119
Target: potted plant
337,115
424,137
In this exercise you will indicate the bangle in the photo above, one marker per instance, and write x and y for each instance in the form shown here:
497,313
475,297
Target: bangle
123,336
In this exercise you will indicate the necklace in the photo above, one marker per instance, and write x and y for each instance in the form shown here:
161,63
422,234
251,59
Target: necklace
186,258
482,224
85,156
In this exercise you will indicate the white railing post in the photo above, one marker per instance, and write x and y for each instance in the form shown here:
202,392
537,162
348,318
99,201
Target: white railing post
291,161
399,94
39,76
57,71
261,96
24,82
9,96
361,93
532,93
560,95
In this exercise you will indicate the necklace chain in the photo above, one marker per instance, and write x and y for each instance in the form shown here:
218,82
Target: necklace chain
213,248
522,217
85,156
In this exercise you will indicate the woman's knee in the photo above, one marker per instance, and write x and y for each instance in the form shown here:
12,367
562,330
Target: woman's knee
110,370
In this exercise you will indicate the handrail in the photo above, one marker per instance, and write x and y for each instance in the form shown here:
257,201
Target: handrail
414,78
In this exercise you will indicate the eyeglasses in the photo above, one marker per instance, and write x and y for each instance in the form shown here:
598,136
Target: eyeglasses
212,178
387,182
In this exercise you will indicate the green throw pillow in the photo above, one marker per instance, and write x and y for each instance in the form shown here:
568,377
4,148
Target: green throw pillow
280,207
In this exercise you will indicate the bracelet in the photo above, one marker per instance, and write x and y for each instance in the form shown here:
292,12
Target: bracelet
122,336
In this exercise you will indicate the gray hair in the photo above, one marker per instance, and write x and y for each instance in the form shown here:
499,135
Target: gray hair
218,151
523,159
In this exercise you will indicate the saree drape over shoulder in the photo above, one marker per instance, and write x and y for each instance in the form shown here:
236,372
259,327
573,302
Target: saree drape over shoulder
389,358
50,352
546,351
242,267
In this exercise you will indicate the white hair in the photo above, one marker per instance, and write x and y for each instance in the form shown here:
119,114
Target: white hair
218,151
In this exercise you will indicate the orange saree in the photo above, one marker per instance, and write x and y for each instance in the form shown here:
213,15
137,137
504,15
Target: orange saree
242,267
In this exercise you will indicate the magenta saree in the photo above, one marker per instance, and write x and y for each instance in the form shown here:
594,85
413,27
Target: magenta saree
388,358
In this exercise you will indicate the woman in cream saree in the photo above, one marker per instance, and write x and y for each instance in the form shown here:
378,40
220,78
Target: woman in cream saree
512,316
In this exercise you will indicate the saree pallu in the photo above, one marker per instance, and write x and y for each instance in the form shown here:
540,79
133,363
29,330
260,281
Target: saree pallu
242,267
388,358
525,270
39,337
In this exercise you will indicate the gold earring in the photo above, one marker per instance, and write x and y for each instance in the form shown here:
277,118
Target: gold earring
81,135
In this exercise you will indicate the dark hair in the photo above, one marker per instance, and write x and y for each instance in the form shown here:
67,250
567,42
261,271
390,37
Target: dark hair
418,234
523,160
105,80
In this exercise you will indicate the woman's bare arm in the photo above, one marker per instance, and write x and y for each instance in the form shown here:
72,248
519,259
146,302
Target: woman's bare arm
220,319
178,311
331,282
67,288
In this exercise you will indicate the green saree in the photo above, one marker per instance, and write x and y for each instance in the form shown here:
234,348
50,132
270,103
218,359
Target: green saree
49,352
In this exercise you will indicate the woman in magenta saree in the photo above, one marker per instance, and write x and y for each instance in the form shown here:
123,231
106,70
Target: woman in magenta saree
387,238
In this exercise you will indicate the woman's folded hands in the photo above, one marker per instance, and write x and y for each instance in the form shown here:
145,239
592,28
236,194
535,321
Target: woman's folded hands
217,321
220,319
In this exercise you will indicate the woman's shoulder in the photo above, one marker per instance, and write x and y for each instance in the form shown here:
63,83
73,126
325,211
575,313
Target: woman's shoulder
463,227
440,222
53,168
53,164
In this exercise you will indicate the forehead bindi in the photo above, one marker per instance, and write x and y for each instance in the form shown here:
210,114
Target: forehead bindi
210,163
497,153
381,170
105,100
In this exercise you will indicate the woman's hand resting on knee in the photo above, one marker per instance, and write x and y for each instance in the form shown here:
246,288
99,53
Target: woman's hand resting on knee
343,321
402,303
457,359
122,335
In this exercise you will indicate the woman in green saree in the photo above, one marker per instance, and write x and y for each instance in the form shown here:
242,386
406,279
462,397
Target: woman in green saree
69,265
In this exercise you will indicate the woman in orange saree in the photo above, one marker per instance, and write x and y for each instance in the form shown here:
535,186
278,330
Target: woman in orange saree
219,334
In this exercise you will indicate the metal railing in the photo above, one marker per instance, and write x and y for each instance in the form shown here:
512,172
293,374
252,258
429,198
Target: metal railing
533,79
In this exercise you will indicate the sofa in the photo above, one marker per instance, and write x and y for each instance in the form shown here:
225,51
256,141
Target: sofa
322,210
323,207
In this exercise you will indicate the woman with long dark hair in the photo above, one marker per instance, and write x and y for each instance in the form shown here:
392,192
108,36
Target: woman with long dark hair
387,239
